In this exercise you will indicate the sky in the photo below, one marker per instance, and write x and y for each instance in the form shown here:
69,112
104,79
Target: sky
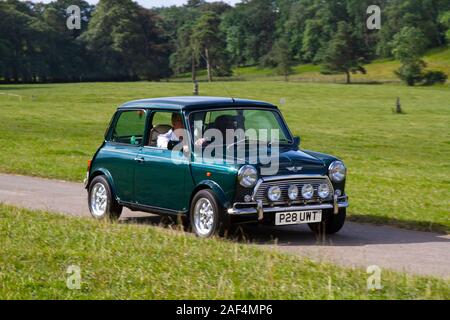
152,3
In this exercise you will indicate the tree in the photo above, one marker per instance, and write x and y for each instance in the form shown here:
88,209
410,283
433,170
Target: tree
206,38
35,44
55,15
293,15
367,39
409,46
185,56
15,33
342,54
282,57
195,3
120,40
421,14
151,50
250,30
445,22
176,24
126,41
235,36
312,41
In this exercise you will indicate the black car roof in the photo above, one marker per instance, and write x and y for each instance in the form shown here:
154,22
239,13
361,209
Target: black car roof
194,103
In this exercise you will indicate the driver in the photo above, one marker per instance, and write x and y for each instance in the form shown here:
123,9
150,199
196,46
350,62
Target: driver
176,133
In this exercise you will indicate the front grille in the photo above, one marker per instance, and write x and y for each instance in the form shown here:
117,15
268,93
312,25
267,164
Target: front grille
261,193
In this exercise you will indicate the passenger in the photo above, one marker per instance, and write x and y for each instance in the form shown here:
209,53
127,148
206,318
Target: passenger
174,134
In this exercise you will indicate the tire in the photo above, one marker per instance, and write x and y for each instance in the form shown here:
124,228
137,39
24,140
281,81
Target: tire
207,217
102,204
332,224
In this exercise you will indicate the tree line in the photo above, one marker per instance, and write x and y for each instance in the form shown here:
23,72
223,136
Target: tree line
121,41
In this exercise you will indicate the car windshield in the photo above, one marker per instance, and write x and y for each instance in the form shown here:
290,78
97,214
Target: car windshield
263,126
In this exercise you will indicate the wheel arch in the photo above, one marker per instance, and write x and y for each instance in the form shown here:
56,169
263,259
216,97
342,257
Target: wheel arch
215,188
107,175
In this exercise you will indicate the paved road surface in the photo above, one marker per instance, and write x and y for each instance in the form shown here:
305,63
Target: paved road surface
358,245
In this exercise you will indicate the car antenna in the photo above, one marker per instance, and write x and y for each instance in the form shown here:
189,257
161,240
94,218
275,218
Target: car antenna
226,90
217,67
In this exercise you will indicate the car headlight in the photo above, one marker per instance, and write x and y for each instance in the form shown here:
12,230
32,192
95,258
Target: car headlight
323,190
274,193
337,171
247,176
293,192
307,191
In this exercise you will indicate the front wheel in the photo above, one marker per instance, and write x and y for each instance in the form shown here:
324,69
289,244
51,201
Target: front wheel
331,225
207,217
102,204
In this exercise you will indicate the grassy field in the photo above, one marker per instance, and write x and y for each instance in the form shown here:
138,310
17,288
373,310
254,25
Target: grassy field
398,164
126,261
378,71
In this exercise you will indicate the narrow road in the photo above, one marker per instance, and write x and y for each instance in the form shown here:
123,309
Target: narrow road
357,245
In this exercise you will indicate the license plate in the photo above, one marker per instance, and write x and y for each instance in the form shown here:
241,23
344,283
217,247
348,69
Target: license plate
300,217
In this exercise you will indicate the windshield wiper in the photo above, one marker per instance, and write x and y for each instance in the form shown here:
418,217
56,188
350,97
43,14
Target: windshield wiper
246,140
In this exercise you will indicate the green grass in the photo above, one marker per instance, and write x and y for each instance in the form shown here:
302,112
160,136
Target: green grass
398,164
125,261
381,70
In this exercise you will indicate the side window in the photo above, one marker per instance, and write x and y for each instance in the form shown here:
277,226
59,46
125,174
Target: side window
161,118
161,125
130,127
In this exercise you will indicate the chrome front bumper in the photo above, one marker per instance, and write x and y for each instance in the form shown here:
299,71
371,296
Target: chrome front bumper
260,210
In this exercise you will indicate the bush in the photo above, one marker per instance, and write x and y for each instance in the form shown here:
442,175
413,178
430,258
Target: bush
432,77
411,72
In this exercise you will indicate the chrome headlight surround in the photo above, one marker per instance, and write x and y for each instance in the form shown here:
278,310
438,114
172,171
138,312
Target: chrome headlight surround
247,176
337,171
274,193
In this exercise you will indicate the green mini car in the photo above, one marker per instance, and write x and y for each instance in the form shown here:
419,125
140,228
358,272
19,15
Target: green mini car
167,156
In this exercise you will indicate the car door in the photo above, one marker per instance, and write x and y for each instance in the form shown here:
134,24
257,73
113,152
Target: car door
121,150
160,174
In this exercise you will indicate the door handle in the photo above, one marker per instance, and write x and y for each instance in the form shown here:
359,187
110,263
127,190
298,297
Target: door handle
139,159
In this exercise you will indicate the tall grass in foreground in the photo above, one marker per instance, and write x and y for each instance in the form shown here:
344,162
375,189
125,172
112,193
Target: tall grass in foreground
126,261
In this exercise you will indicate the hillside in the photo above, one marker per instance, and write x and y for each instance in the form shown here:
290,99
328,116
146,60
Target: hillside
381,70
